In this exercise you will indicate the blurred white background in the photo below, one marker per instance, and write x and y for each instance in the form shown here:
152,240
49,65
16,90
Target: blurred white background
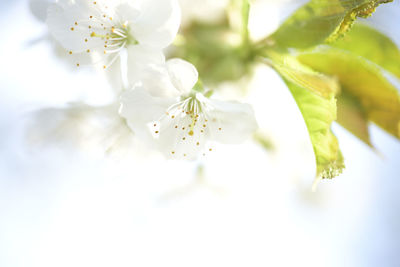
59,207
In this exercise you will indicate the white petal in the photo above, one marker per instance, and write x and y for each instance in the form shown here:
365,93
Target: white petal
174,140
80,126
180,133
158,23
146,66
39,8
84,28
113,75
183,74
139,108
68,22
230,122
127,12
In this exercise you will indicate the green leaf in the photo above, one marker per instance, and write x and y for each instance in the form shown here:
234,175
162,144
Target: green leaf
322,20
319,113
364,81
292,70
352,116
372,45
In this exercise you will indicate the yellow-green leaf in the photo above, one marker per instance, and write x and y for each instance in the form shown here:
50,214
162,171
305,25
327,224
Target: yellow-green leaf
362,80
319,113
322,20
351,115
372,45
292,70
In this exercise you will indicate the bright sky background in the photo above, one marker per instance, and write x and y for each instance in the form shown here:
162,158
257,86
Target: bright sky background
253,208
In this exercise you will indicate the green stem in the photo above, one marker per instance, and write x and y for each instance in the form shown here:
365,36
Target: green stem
245,23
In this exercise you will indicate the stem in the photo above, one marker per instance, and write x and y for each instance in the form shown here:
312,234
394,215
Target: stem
245,23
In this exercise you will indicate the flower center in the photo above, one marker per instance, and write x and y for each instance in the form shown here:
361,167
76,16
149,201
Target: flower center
116,38
103,34
185,125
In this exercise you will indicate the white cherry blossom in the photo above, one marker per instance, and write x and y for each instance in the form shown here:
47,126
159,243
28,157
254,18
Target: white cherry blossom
184,124
97,31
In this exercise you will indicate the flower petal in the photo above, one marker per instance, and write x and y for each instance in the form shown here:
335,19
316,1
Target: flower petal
69,23
146,66
230,122
97,129
183,74
39,8
88,29
158,23
173,137
139,108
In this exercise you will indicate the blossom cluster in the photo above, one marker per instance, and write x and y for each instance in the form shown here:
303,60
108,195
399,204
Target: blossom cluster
162,101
